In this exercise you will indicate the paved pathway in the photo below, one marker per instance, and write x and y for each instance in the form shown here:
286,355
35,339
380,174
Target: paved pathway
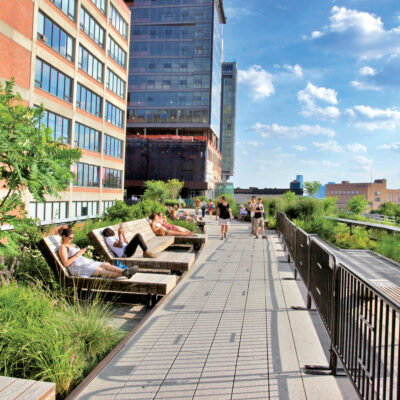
226,332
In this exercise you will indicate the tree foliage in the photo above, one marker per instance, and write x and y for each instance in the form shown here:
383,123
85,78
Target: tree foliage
29,157
312,187
357,204
174,187
156,191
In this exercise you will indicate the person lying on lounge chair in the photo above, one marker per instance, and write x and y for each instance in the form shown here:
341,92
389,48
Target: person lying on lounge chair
160,230
72,258
180,215
122,248
175,228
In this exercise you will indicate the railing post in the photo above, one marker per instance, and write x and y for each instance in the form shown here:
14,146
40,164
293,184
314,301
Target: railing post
334,316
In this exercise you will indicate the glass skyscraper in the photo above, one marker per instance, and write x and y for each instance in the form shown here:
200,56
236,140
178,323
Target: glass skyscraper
174,86
228,119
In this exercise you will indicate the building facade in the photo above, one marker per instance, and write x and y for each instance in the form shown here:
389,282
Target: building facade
174,91
228,119
72,56
376,193
297,183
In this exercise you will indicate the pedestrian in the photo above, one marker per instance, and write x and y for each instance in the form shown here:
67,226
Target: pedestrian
225,214
210,207
203,208
252,210
180,202
196,205
259,218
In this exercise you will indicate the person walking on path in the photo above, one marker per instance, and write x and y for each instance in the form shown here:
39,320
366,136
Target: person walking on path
225,214
259,218
196,205
252,209
210,207
203,208
180,202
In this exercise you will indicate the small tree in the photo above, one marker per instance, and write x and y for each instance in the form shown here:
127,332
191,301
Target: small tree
155,190
289,198
174,187
312,187
29,157
357,204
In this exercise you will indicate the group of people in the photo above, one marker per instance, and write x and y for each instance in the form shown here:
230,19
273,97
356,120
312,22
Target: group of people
256,209
72,257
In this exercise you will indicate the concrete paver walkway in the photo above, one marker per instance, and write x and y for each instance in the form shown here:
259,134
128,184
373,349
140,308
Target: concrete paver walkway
226,332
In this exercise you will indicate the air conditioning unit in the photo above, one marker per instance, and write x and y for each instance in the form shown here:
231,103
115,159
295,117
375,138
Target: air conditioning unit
43,38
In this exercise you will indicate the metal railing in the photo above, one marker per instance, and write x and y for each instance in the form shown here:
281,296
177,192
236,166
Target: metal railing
363,323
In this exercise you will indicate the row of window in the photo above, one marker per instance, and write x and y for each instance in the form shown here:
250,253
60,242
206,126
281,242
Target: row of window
114,115
116,52
345,192
112,146
58,124
89,101
201,31
118,22
90,64
68,7
92,28
53,81
172,14
115,84
169,65
112,178
171,82
169,116
87,138
175,49
173,99
54,210
146,3
50,33
88,175
101,5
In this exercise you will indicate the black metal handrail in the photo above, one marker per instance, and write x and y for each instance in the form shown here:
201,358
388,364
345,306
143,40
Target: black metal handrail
362,321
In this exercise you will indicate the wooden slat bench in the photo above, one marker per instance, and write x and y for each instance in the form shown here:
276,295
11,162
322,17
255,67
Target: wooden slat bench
24,389
143,283
171,260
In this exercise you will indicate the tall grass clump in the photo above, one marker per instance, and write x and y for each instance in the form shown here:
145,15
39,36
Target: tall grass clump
388,245
47,338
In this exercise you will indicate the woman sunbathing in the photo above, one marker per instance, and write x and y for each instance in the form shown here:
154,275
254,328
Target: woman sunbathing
180,215
160,230
72,258
175,228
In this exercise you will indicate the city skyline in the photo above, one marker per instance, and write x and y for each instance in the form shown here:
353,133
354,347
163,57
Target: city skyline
317,90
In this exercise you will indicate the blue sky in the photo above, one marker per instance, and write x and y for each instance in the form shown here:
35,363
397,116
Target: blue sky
318,90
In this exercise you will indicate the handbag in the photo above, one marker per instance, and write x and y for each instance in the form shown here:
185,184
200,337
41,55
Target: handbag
159,232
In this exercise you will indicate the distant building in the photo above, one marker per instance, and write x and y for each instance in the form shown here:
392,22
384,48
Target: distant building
297,183
376,193
71,56
228,119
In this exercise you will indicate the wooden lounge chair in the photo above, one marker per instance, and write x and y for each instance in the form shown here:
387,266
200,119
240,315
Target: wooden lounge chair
143,283
171,260
201,224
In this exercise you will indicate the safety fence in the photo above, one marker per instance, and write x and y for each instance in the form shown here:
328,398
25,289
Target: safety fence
363,323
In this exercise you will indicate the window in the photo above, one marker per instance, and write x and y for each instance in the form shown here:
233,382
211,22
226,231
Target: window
53,81
112,146
90,64
68,7
101,5
87,175
117,21
378,192
92,28
58,124
89,101
106,205
86,138
115,83
114,115
49,211
378,199
84,208
55,37
112,178
116,52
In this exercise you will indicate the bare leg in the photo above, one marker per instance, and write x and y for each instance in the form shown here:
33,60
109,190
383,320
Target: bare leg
174,233
222,231
226,230
107,270
177,228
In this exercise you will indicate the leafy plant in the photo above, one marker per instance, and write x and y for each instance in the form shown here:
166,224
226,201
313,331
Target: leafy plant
174,187
312,187
357,204
156,191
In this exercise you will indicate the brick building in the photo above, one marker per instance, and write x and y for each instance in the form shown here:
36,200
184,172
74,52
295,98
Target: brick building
376,193
72,56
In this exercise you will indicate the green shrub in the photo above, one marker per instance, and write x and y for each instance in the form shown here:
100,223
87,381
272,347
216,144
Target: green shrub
172,203
191,226
42,337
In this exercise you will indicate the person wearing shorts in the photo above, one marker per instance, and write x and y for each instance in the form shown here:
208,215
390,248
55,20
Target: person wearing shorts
259,218
225,214
252,209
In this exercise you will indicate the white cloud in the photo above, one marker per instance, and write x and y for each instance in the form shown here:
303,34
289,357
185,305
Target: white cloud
390,147
356,148
298,147
237,12
372,119
294,70
367,71
311,94
292,131
364,162
362,85
357,33
258,80
330,145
